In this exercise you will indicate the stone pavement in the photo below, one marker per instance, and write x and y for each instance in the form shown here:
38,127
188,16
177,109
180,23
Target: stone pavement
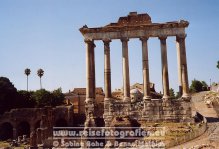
210,139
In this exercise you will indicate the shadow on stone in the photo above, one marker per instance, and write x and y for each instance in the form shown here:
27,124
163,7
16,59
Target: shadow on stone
212,119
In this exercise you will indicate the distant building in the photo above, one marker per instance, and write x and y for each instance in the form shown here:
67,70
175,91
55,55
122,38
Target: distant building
78,95
136,92
77,98
215,87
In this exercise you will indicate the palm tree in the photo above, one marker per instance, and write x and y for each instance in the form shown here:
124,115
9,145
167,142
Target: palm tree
27,73
40,73
218,64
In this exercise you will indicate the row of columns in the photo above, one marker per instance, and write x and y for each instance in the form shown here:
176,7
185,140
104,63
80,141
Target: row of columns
90,67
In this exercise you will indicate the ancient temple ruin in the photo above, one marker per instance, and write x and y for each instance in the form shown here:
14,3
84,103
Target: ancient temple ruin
150,110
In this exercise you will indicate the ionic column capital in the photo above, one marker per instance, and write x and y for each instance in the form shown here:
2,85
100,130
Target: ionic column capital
180,37
143,38
89,41
162,37
124,39
106,41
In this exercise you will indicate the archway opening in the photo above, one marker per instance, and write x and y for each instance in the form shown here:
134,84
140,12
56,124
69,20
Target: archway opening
23,129
6,131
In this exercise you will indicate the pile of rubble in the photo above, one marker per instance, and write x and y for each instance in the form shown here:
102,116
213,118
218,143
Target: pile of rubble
211,97
203,146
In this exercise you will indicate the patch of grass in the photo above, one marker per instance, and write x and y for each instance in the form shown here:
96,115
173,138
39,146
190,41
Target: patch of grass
4,144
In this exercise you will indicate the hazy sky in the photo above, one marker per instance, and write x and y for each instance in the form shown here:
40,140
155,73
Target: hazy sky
45,34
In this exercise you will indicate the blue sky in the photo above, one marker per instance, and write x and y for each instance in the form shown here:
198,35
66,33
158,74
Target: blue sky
44,34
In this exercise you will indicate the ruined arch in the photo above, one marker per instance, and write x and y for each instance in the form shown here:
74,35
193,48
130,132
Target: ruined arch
6,131
23,128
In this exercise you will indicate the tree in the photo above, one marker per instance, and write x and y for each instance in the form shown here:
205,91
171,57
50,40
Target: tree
172,93
204,86
40,73
45,98
218,64
8,95
27,73
198,86
178,95
214,84
26,99
42,98
57,97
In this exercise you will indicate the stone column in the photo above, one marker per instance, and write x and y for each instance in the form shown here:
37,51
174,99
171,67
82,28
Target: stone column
90,71
107,69
184,73
145,64
125,68
165,77
179,66
90,84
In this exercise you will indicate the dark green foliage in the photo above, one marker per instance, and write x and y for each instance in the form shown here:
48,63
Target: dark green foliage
46,98
27,71
42,98
214,84
172,93
198,86
26,99
57,97
40,72
11,98
8,95
204,86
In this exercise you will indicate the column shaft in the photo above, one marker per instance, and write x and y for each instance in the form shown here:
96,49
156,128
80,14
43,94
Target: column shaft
107,69
145,64
125,67
184,72
90,70
165,77
179,66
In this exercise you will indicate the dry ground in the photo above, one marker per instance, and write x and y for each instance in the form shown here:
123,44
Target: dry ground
211,136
